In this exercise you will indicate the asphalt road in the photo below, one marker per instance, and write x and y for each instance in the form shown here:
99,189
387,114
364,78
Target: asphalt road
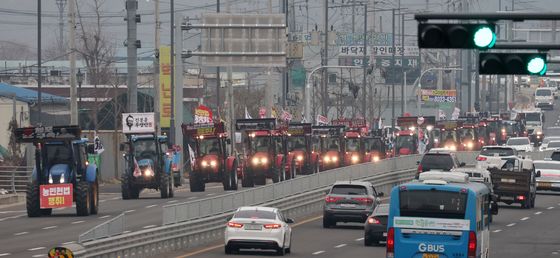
21,236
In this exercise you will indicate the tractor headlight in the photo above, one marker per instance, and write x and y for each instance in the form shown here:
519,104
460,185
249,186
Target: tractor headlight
213,163
327,159
299,158
375,158
470,145
204,163
255,161
148,172
334,158
354,158
62,180
264,160
50,179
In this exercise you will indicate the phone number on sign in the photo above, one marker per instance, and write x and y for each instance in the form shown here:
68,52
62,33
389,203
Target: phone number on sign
442,99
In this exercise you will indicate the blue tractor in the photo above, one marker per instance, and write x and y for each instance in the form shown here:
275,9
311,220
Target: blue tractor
62,174
149,164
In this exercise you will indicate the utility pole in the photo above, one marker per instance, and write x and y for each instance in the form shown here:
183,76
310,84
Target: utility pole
39,68
353,16
285,70
74,115
325,61
172,64
61,4
177,91
131,7
403,97
364,65
218,78
157,86
393,81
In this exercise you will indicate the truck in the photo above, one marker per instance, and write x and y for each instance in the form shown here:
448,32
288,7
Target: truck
330,148
265,152
515,182
534,122
300,144
148,161
62,174
211,160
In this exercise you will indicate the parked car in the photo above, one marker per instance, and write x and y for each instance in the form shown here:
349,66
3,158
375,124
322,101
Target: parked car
375,229
258,228
349,201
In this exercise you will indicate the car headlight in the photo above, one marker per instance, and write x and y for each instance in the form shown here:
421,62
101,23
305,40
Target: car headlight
204,163
213,163
299,158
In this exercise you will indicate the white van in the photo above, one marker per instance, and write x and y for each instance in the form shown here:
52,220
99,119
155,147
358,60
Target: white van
544,98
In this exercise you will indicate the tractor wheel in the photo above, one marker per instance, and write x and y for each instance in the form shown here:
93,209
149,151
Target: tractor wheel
196,183
83,198
177,179
259,179
247,180
234,179
125,187
164,185
171,184
230,179
32,200
94,206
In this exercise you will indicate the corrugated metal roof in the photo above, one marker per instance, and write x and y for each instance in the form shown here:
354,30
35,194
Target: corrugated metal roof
27,95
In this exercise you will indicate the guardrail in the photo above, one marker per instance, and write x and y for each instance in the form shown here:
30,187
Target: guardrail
112,227
14,178
192,224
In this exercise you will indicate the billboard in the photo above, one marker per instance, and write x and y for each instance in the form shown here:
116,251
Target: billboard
164,86
439,98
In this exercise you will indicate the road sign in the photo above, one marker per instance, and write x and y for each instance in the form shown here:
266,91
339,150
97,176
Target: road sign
352,61
243,40
352,50
138,123
391,71
388,51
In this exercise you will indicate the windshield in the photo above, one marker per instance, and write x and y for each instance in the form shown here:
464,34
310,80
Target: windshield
349,190
467,134
518,141
405,141
533,117
296,143
261,144
436,161
554,144
555,156
353,144
543,92
449,136
331,144
255,214
374,145
539,165
58,154
382,209
502,152
508,128
209,146
144,148
432,204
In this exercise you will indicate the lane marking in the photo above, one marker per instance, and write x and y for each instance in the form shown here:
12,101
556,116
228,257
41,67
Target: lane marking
50,227
538,213
192,197
129,211
102,200
5,254
115,198
78,222
510,225
497,231
38,255
550,208
104,217
172,201
318,252
151,206
36,248
210,194
210,248
359,239
70,242
149,226
127,231
21,233
339,246
525,218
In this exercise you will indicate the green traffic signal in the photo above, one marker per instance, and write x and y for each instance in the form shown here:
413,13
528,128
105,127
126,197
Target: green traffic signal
484,37
537,66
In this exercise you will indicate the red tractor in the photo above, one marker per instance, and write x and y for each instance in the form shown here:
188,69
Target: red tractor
406,140
300,145
211,162
266,154
354,148
468,134
329,140
449,138
375,148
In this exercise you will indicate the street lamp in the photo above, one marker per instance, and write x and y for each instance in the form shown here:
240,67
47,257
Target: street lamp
80,79
419,83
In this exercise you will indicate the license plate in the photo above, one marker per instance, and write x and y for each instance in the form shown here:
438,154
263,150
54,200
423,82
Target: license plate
544,184
347,205
430,255
506,180
385,234
253,227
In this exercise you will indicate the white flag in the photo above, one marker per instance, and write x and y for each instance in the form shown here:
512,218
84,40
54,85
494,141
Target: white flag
191,155
247,115
441,115
456,113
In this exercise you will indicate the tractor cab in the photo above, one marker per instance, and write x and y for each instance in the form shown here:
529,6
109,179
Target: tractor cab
354,149
62,174
406,140
510,128
300,145
375,148
211,161
330,139
449,138
492,131
469,134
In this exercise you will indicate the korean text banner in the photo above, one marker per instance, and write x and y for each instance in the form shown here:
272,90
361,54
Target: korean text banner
165,86
439,96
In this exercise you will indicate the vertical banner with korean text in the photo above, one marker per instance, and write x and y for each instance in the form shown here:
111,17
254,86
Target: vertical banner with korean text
165,86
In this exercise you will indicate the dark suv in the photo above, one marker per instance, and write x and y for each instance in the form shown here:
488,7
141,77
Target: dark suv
555,156
349,201
438,160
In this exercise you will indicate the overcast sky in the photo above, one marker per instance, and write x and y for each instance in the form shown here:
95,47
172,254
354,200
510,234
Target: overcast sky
18,17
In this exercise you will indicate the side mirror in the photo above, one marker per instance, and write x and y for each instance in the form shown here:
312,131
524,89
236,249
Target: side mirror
418,162
122,146
228,218
289,221
90,149
228,141
327,191
462,164
538,173
380,194
494,208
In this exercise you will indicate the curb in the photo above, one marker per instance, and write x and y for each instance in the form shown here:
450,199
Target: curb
12,199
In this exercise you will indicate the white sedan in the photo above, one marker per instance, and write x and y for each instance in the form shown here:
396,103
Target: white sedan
258,228
552,146
520,143
546,140
548,174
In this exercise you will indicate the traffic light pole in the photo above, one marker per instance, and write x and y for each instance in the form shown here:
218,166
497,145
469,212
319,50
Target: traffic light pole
514,16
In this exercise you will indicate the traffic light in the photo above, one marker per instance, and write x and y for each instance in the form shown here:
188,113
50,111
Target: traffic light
512,63
446,35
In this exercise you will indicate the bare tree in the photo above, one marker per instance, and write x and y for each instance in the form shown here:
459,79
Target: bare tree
15,51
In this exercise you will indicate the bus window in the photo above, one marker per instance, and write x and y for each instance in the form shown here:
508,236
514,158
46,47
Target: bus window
433,204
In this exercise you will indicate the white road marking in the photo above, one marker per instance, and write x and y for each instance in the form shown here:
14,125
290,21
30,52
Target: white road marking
172,201
50,227
554,252
149,226
151,206
550,208
21,233
359,239
78,222
538,213
210,194
129,211
70,242
36,248
524,218
510,225
39,255
102,200
339,246
115,198
127,231
6,212
104,217
5,254
192,197
318,252
497,231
